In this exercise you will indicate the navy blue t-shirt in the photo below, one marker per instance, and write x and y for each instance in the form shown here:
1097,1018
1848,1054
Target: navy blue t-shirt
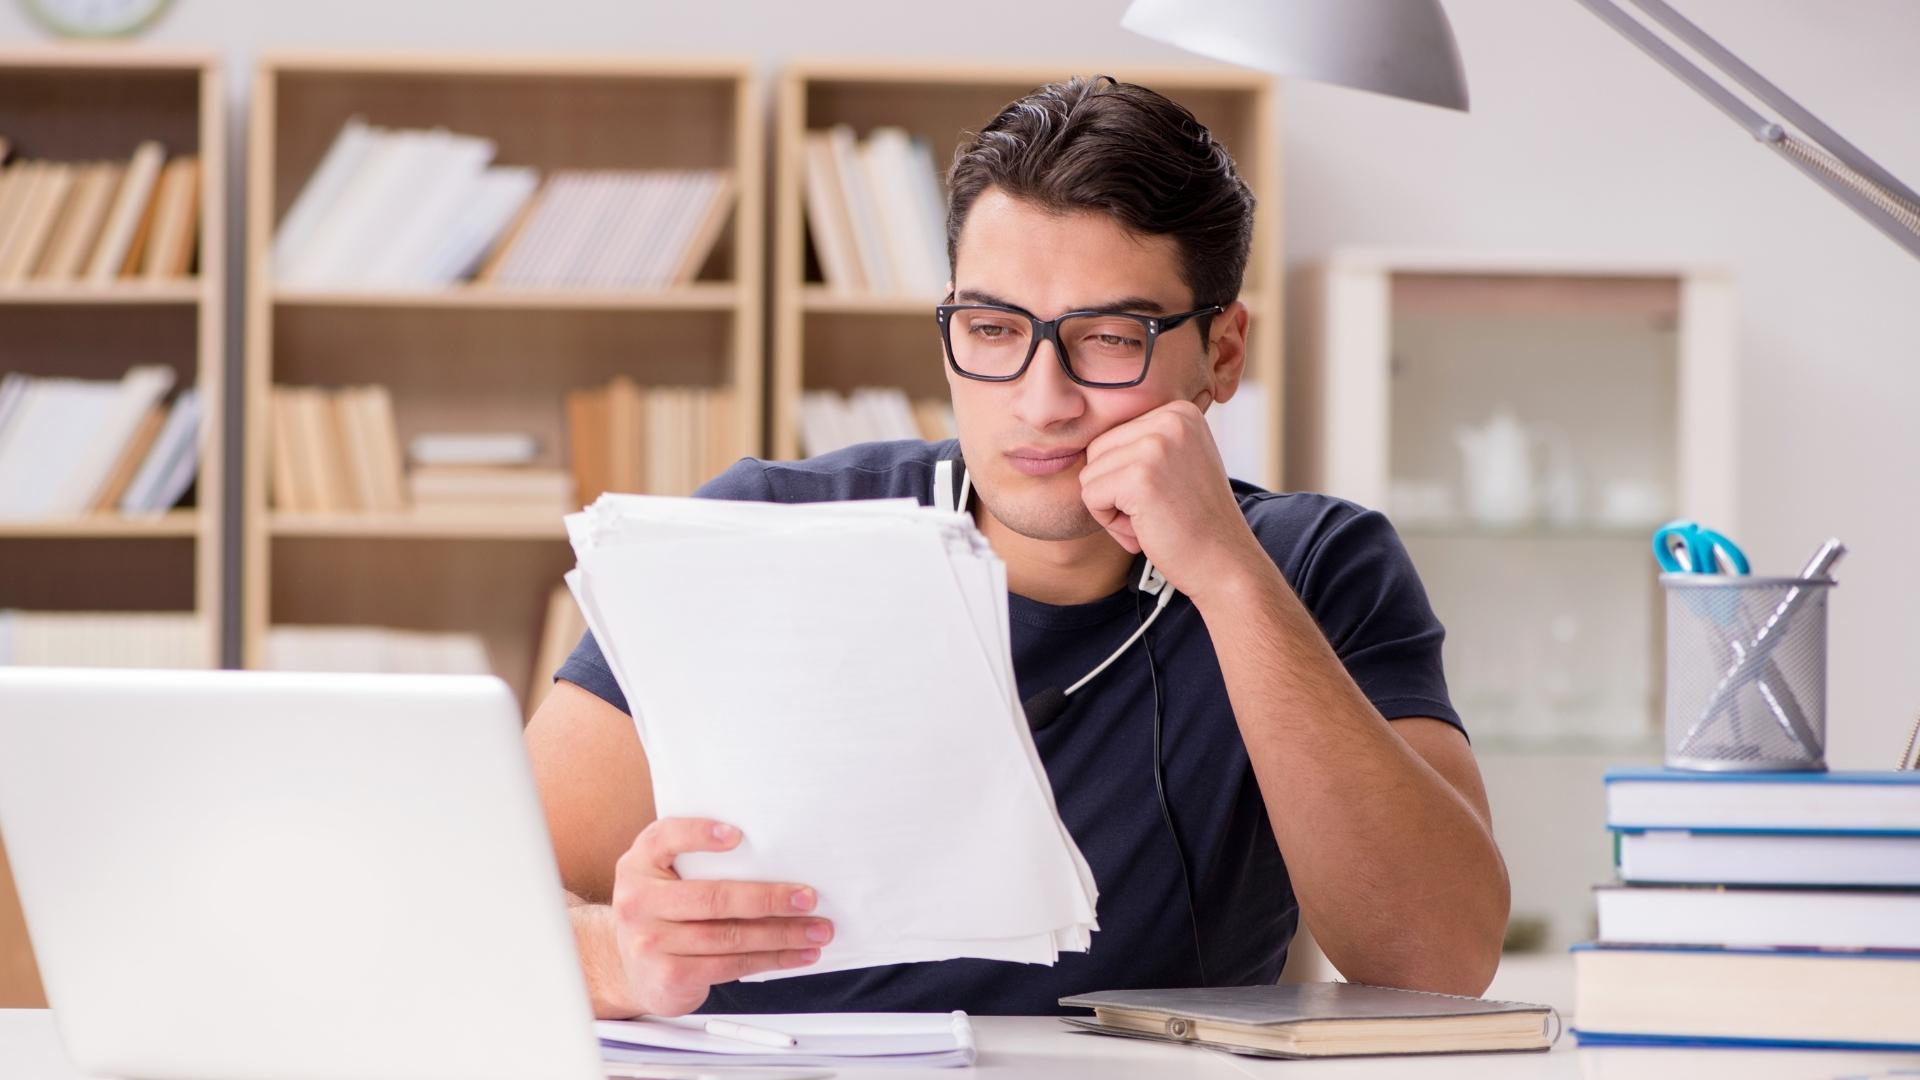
1350,570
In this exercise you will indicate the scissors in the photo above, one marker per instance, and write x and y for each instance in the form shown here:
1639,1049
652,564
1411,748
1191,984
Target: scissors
1688,547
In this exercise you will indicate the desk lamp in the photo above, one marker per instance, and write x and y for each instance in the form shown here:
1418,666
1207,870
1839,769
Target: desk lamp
1405,49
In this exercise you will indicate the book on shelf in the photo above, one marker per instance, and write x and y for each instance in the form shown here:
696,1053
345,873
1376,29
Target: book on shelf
608,228
1718,951
40,200
512,489
120,477
113,252
658,440
560,631
102,221
828,220
335,451
389,208
73,446
876,211
830,420
146,639
375,649
168,469
409,208
81,223
473,448
169,249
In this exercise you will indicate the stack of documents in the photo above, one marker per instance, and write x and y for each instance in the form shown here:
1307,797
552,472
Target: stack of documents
836,680
819,1039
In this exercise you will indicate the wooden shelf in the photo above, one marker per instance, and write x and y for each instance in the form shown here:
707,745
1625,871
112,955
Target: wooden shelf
79,103
483,358
819,341
124,292
701,296
450,525
173,523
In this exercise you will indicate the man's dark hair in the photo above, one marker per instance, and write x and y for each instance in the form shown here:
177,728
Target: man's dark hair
1120,149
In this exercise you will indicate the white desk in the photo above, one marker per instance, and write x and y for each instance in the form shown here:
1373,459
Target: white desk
1041,1048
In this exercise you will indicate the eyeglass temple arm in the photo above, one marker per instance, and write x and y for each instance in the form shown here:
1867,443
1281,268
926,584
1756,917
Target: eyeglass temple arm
1843,169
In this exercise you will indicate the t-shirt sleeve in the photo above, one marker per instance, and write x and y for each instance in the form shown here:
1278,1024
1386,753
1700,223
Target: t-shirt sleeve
587,666
1361,586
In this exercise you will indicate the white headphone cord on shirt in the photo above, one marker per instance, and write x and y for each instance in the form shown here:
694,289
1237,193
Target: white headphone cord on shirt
1160,605
1152,581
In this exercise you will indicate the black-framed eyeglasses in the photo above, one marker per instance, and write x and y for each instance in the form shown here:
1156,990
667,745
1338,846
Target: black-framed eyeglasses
1101,349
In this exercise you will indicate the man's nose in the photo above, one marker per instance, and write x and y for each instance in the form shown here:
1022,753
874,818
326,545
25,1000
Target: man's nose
1044,396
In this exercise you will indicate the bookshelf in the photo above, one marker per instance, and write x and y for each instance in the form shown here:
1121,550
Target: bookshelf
88,103
92,103
481,356
830,340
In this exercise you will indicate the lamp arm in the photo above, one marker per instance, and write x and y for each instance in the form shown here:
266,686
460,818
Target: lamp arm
1827,158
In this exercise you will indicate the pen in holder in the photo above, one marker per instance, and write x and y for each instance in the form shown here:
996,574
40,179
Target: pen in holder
1747,669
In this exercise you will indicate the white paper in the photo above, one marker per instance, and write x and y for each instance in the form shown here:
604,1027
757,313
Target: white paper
836,680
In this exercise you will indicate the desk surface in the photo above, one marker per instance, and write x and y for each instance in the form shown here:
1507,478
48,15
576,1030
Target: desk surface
1034,1047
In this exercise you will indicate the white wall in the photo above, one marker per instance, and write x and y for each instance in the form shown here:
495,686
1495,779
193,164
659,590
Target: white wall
1577,145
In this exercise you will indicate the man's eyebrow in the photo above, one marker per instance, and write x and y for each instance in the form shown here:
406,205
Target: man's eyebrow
975,296
1144,305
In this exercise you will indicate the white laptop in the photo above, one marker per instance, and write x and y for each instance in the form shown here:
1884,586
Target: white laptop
280,876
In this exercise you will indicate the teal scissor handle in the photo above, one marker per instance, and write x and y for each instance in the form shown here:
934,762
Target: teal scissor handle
1687,547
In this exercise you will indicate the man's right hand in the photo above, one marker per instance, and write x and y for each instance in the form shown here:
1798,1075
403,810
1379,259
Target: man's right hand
678,939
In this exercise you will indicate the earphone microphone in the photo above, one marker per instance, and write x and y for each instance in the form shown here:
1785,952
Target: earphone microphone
1046,706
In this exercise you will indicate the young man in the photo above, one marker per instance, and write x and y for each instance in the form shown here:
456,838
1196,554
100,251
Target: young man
1279,745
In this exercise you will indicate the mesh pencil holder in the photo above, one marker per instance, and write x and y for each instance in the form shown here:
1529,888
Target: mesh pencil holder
1746,673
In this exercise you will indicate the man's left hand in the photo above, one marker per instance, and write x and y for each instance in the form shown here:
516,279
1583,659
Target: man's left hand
1156,484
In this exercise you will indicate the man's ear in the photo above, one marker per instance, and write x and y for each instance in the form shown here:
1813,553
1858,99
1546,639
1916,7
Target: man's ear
1227,351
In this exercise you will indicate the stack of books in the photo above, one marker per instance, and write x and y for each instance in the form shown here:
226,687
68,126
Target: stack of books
419,209
70,447
876,212
485,472
657,440
98,222
143,639
335,451
829,421
1765,909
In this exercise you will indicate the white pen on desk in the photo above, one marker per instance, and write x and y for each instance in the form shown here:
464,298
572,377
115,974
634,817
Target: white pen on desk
728,1029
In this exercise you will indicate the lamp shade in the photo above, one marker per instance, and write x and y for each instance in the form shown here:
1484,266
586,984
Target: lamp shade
1403,48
